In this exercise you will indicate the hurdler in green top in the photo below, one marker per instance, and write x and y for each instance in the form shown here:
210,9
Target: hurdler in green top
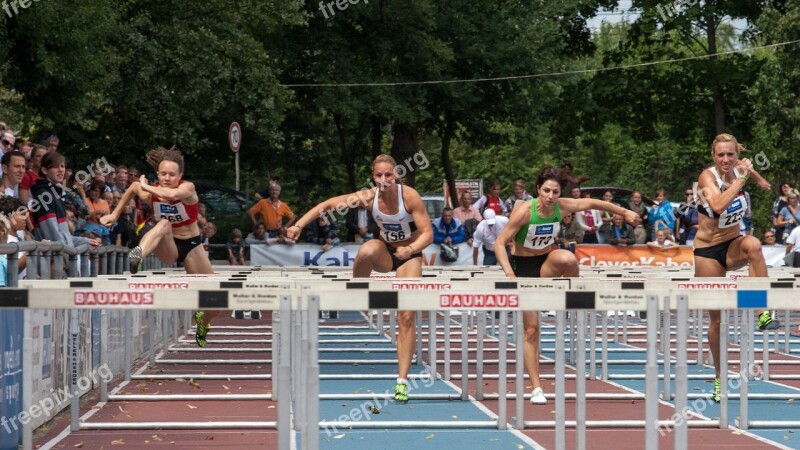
523,233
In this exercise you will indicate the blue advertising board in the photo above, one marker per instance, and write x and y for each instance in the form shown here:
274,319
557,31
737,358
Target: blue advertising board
11,329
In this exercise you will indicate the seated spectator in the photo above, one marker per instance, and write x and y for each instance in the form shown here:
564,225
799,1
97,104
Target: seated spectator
792,257
16,214
94,199
323,232
360,224
448,230
570,233
769,239
485,236
275,214
96,230
662,241
468,215
259,235
618,232
235,248
687,220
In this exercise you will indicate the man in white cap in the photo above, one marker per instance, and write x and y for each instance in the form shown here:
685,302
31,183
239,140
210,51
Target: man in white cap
485,235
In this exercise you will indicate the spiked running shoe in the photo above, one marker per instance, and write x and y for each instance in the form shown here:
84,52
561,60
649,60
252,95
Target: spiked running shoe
715,396
400,393
135,258
765,322
202,330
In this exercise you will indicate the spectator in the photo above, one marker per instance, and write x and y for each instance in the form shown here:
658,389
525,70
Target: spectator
13,163
4,230
769,239
572,181
491,200
448,230
575,192
31,175
121,181
662,241
792,257
26,148
323,232
636,205
7,141
688,220
360,225
13,211
518,194
121,233
49,213
618,232
662,217
468,215
485,236
52,143
264,193
780,202
608,196
789,216
258,235
746,225
590,222
275,214
76,197
235,248
96,230
569,233
94,201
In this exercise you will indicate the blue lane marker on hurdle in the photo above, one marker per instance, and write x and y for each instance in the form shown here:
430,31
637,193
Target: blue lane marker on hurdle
751,299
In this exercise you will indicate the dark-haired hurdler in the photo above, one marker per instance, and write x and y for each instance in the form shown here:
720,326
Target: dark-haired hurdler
176,235
533,230
405,230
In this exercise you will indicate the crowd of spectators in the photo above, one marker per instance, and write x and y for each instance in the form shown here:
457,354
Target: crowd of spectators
44,198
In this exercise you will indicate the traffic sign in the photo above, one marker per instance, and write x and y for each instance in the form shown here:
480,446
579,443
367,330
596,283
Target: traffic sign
235,136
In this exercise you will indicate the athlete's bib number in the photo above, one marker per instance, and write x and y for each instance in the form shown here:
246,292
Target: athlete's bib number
173,213
395,232
733,214
541,236
394,236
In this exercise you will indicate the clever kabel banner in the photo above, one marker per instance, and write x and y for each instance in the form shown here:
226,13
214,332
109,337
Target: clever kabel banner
634,256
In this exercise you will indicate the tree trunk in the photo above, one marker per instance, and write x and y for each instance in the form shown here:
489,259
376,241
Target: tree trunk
377,136
449,176
719,95
347,156
404,146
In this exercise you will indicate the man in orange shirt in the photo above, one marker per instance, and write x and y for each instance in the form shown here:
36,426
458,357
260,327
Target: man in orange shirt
275,214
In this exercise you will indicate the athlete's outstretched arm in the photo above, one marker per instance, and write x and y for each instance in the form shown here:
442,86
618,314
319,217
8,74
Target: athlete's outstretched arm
185,191
134,189
571,205
339,204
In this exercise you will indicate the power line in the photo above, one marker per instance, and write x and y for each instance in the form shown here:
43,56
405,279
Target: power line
542,75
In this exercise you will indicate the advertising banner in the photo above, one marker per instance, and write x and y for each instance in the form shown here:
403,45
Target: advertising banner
11,324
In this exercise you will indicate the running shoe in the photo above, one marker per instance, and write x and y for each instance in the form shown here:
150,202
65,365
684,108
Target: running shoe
401,393
715,395
135,258
537,397
202,330
765,322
